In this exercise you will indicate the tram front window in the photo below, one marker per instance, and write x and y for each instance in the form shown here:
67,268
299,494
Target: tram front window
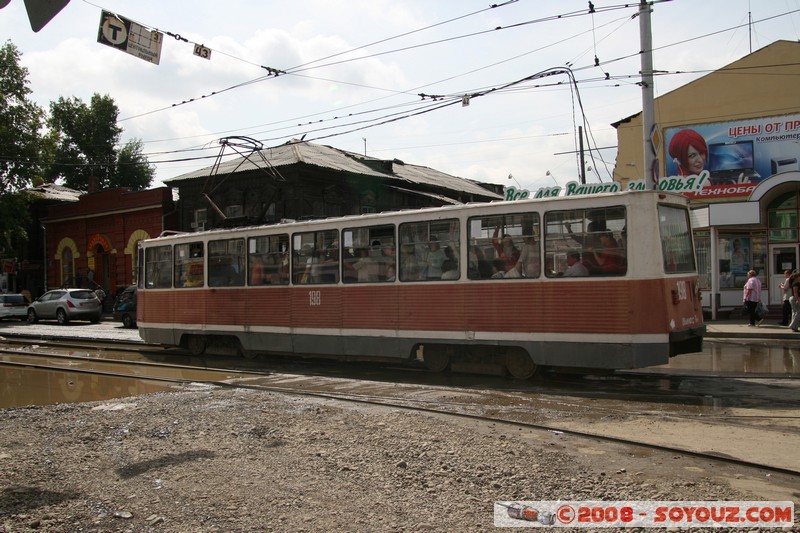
676,239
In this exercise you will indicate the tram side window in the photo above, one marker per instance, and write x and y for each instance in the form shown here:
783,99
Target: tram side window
504,246
429,250
268,260
189,269
158,267
226,263
586,242
315,257
676,239
369,254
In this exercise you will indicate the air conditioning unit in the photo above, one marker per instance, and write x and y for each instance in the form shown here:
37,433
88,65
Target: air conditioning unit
198,226
784,164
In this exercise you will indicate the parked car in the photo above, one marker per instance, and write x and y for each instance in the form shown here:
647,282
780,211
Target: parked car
65,305
125,307
13,306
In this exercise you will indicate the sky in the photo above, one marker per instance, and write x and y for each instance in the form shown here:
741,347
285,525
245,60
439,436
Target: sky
352,73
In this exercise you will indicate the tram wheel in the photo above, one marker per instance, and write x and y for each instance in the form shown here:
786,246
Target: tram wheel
436,358
196,344
520,365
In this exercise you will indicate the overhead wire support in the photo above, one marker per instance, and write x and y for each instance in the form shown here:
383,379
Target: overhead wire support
244,147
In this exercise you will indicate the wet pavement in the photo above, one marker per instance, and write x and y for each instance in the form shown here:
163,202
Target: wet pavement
733,350
109,329
105,330
739,329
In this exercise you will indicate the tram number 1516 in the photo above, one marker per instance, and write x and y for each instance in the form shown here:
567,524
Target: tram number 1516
314,298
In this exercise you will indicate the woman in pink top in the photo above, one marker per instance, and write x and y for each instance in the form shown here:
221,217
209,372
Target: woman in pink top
751,296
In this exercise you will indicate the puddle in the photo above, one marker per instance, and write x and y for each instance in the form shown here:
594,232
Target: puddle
23,385
29,386
740,359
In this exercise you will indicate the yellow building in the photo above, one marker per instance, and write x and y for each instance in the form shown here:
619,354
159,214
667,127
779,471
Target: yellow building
738,130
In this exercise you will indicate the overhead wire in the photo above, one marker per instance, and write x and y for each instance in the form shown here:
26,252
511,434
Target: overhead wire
427,84
421,110
274,73
456,98
633,55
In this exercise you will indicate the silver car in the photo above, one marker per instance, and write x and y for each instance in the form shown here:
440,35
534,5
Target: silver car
13,306
65,305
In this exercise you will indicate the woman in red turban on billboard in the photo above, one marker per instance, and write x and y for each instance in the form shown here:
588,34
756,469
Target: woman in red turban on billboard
689,151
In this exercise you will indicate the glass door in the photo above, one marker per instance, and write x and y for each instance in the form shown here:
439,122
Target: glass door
782,257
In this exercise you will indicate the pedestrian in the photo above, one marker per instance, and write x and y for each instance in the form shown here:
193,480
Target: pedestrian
786,287
794,299
101,295
751,295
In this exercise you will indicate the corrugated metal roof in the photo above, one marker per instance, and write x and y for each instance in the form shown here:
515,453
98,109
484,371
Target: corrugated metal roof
322,156
51,191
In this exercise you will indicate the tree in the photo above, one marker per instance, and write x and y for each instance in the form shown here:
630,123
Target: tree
133,170
20,146
20,122
87,147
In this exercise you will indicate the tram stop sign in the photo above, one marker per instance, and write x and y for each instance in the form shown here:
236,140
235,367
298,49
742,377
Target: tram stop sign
124,34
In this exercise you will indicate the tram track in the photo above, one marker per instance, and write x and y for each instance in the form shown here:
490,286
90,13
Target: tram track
673,387
507,407
628,385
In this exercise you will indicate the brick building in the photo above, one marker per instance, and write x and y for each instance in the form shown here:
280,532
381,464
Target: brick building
93,242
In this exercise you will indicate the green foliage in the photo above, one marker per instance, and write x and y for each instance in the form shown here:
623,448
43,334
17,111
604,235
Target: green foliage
20,122
133,170
14,218
86,146
87,139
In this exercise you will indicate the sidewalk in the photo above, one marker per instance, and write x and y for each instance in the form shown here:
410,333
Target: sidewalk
737,328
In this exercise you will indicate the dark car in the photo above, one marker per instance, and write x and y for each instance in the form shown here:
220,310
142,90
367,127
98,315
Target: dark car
125,307
65,305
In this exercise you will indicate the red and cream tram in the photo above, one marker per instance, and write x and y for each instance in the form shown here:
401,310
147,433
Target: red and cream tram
587,282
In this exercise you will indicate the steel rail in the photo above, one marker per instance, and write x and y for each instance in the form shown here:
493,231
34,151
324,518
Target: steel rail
397,404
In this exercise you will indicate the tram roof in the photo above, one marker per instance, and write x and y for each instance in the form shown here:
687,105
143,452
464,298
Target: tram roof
300,152
598,200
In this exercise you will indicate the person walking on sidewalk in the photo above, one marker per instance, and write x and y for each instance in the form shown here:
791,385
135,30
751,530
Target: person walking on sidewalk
794,299
786,287
751,296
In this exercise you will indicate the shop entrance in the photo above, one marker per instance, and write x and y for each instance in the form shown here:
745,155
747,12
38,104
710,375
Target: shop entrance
782,257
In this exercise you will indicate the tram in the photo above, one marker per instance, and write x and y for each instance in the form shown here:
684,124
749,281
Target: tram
597,282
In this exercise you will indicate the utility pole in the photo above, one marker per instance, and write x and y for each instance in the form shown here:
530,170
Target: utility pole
583,160
648,107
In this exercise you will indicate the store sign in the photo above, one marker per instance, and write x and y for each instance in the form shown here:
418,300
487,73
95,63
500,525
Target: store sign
9,266
687,185
681,184
737,155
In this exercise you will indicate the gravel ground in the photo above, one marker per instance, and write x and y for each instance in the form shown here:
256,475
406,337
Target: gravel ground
241,460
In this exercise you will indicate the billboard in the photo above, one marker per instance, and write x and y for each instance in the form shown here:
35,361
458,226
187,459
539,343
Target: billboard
737,155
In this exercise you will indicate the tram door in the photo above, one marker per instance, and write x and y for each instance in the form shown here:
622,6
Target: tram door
782,257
